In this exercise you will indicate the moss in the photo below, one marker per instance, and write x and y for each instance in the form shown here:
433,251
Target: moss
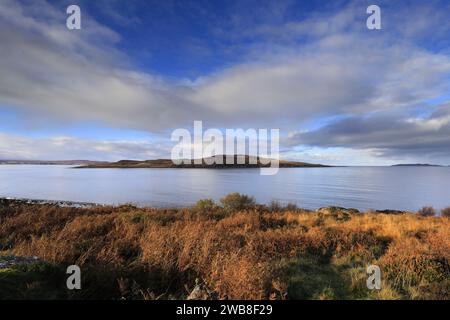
34,281
307,278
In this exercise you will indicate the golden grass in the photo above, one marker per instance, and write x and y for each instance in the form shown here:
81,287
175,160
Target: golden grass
251,254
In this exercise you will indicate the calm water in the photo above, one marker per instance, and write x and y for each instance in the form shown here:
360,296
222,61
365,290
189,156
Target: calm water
403,188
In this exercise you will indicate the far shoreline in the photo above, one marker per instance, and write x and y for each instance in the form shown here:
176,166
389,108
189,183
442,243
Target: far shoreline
168,164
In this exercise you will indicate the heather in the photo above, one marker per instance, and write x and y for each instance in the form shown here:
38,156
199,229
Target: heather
237,248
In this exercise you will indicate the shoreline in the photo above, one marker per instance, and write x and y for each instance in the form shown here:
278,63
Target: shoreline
11,201
58,203
214,162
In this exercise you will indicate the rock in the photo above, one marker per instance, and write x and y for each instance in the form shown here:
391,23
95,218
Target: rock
390,211
202,292
9,261
17,202
337,213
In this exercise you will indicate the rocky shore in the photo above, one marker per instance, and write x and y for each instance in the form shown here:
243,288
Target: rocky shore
9,261
326,211
12,202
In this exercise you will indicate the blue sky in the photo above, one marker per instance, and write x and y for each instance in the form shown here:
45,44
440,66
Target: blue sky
191,38
338,92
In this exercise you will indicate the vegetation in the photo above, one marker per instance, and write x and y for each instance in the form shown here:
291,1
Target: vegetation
446,212
241,250
427,212
235,202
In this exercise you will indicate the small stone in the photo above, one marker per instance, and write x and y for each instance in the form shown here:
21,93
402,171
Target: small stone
202,292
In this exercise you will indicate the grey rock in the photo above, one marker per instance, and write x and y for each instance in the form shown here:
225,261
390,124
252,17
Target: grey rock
9,261
390,211
337,213
202,292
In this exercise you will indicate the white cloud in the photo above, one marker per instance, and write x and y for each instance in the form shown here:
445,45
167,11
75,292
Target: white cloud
81,76
78,75
70,148
320,81
388,135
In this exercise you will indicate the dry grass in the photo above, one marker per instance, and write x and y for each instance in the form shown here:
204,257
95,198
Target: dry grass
257,253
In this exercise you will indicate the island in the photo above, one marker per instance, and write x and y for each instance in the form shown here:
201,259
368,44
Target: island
416,165
257,162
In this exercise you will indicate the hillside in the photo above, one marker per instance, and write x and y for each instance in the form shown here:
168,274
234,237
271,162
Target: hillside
167,163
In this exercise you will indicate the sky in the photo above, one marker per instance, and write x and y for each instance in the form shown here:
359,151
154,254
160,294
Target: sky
338,92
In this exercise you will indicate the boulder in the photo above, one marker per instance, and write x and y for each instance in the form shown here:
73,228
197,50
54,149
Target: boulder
390,211
337,213
202,292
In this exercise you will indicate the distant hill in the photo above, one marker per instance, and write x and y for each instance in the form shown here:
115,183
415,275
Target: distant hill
50,162
167,163
416,165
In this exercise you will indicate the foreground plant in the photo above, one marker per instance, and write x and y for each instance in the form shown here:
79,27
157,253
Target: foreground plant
241,250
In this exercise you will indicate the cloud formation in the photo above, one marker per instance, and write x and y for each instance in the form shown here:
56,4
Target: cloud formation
77,75
389,135
71,148
291,73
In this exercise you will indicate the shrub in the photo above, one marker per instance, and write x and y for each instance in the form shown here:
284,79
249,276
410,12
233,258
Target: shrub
274,206
205,207
446,212
427,212
291,207
208,204
236,201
